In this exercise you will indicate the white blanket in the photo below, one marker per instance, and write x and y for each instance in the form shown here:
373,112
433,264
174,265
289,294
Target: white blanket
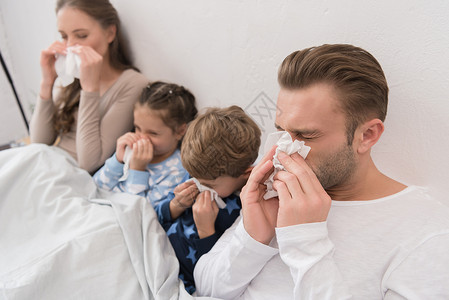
62,238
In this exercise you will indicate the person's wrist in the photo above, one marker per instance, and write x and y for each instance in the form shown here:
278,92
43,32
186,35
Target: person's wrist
90,87
260,235
179,204
138,167
205,233
175,210
46,90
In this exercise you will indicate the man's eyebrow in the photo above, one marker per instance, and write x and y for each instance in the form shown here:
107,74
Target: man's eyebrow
305,132
297,131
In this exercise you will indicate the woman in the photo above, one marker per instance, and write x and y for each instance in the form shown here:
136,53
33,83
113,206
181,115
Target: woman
88,115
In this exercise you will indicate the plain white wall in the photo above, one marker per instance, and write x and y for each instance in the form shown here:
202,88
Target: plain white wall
227,52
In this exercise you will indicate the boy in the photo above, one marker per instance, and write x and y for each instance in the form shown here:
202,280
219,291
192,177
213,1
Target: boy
218,151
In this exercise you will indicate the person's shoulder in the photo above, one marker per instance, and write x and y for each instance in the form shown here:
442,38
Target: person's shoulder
173,162
422,201
132,76
175,157
420,195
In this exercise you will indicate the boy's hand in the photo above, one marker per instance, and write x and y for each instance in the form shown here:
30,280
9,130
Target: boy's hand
142,154
185,195
205,213
128,139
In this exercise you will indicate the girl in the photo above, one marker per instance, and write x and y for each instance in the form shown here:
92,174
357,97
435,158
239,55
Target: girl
160,119
87,116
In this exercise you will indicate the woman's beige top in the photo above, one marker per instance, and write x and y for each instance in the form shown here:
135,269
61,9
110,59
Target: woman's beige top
99,121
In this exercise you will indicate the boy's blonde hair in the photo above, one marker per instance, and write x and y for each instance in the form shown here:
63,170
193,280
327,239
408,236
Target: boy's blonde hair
220,142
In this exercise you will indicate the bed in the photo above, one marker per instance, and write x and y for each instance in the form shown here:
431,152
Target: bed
63,238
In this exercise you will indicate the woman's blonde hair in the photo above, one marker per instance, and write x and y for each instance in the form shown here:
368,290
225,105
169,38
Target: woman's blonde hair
220,142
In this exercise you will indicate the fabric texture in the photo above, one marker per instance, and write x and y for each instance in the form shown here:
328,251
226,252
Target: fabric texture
390,248
99,121
63,238
154,184
183,234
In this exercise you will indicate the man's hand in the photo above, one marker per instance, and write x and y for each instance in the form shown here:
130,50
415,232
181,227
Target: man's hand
302,199
259,215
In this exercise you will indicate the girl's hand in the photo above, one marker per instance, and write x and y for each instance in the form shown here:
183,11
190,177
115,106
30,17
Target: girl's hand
205,213
47,62
185,195
142,154
128,139
90,68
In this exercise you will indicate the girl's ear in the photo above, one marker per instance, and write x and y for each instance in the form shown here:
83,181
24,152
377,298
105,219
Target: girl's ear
111,33
368,134
180,131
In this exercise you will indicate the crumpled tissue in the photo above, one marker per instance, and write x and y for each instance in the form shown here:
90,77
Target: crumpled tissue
126,159
214,195
68,67
284,143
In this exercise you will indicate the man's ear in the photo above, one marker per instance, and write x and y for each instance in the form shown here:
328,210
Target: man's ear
111,32
180,131
369,133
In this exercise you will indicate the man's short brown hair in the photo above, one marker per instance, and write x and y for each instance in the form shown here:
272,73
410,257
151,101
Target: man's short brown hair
220,142
354,73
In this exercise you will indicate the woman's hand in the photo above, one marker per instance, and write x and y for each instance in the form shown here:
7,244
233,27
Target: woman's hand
185,195
47,62
205,213
128,139
90,68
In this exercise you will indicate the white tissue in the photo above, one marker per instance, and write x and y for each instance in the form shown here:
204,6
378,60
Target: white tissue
214,195
126,159
68,67
284,143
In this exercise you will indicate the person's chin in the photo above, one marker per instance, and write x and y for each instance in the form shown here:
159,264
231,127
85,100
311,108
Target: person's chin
224,195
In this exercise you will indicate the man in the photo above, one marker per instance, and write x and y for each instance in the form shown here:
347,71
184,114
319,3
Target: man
339,229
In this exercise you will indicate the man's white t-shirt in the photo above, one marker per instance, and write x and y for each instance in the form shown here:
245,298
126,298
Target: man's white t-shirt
395,247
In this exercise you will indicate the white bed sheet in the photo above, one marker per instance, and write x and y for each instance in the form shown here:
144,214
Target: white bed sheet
62,238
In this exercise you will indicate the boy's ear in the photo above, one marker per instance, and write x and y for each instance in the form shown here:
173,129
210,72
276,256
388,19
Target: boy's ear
368,135
247,172
180,131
